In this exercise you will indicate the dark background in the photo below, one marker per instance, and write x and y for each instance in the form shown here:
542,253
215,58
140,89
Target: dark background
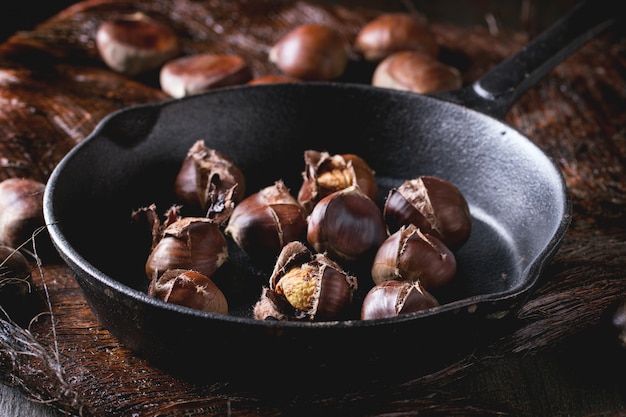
525,15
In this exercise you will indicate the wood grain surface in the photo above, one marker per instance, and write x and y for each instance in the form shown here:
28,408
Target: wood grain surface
559,359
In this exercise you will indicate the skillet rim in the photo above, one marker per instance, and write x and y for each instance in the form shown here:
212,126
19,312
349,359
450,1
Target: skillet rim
84,268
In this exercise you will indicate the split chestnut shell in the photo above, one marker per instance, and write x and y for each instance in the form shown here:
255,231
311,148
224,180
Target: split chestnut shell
432,204
306,286
266,221
393,298
194,243
190,289
410,255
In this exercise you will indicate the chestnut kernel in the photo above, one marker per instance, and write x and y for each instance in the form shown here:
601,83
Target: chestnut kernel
306,286
194,243
393,32
135,43
198,73
264,222
324,174
346,224
410,255
190,289
393,298
204,176
434,205
311,52
416,72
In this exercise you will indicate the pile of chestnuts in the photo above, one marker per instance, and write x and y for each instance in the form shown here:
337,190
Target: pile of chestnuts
321,243
400,46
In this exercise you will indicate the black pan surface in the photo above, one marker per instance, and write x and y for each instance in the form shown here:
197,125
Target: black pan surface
518,200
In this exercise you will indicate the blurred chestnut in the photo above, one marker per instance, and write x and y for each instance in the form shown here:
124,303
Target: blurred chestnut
311,52
272,79
416,72
434,205
304,286
194,243
198,73
135,43
324,174
204,176
267,220
346,224
21,215
393,32
190,289
393,298
410,255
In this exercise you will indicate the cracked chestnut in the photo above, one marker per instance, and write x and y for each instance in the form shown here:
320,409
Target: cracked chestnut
410,255
194,243
434,205
306,286
206,176
190,289
325,173
393,298
264,222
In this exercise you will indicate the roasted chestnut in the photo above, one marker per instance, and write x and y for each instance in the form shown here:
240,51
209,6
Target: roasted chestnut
393,298
410,255
267,220
190,289
325,173
347,225
206,176
434,205
311,52
393,32
194,243
306,286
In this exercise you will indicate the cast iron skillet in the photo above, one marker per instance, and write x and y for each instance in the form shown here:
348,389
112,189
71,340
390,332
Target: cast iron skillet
518,200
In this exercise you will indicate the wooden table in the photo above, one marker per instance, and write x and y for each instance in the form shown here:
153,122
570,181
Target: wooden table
560,357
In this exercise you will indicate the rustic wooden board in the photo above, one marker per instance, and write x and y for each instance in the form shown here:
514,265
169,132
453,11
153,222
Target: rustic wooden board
54,90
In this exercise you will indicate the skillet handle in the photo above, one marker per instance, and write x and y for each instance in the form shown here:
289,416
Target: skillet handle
496,91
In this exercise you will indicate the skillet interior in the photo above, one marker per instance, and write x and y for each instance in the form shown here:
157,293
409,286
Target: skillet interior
516,195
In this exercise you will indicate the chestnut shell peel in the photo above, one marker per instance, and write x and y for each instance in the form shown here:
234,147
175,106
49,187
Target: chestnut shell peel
321,289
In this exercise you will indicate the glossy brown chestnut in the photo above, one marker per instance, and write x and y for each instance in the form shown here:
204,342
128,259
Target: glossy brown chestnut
393,298
194,243
434,205
311,52
416,72
190,289
267,220
194,74
272,79
306,286
205,177
347,225
393,32
135,43
21,214
325,173
410,255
